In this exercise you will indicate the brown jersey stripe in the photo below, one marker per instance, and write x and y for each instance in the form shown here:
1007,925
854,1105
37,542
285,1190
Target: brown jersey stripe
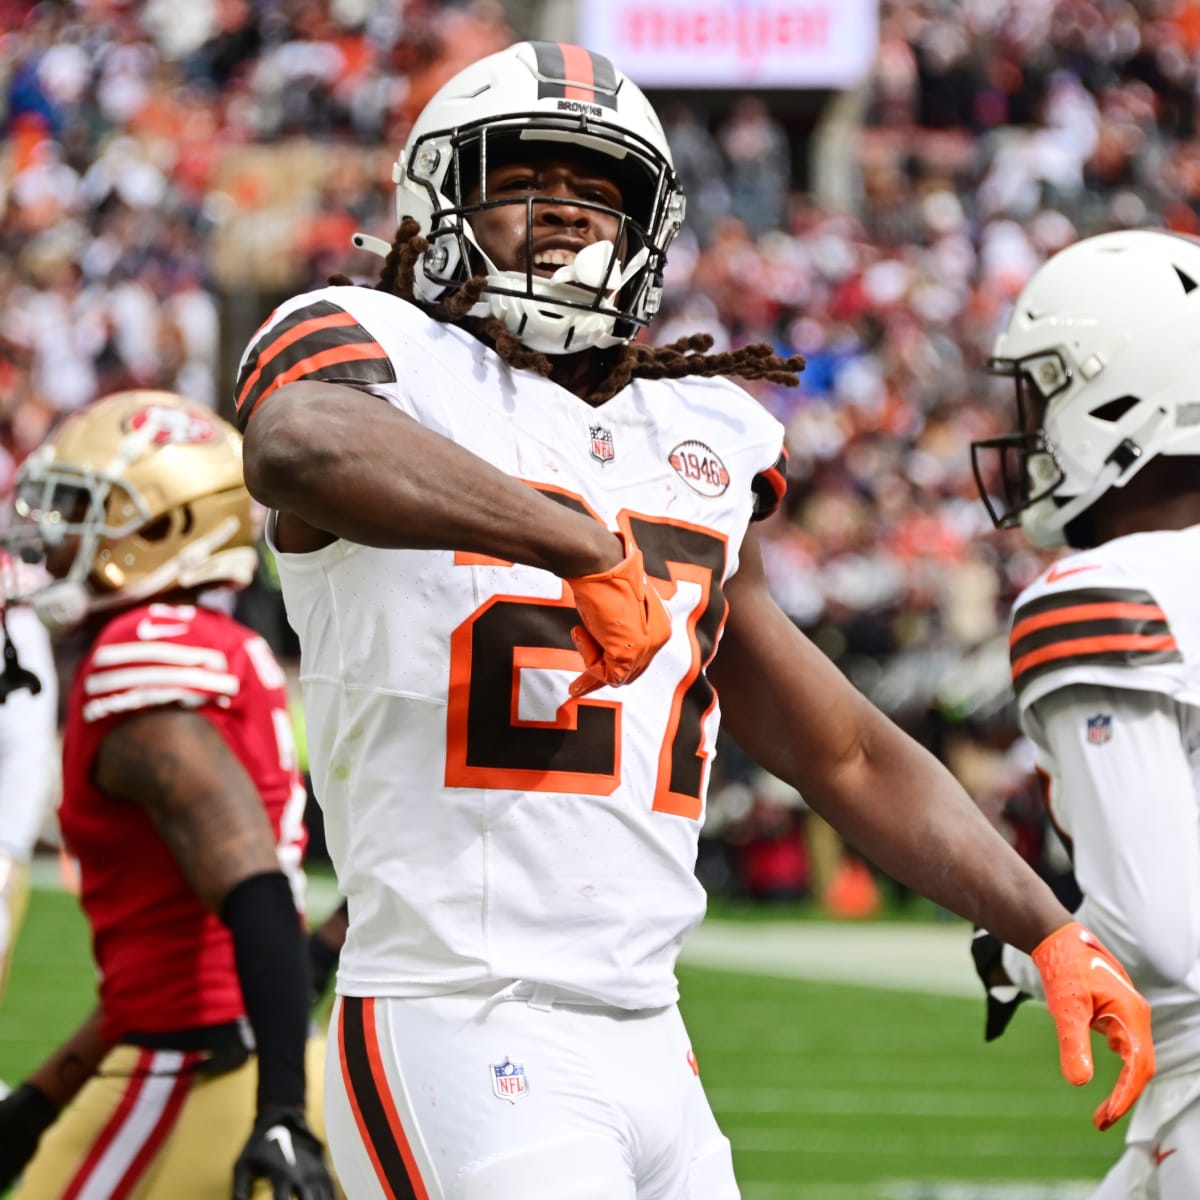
1080,613
1077,596
1120,627
371,1101
769,487
289,336
1085,635
1077,631
360,363
1118,648
268,334
320,341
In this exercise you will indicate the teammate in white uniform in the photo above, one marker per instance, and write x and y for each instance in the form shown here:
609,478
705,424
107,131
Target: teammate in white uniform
28,755
1105,646
510,541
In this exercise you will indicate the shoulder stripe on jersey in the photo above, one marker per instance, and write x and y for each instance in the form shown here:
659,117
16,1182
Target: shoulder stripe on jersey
196,678
372,1103
145,698
119,654
770,487
318,341
1097,626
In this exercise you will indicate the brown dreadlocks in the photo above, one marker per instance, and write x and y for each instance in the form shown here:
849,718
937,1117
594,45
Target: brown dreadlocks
688,356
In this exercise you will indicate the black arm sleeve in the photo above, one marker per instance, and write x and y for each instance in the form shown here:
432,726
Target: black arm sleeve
272,965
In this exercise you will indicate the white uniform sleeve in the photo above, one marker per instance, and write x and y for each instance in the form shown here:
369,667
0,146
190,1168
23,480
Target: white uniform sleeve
1129,803
28,740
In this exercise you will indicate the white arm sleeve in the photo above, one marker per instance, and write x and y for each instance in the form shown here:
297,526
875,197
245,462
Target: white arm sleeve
29,763
1130,806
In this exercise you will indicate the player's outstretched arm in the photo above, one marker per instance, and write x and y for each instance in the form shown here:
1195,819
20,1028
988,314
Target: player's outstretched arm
793,711
177,767
29,1110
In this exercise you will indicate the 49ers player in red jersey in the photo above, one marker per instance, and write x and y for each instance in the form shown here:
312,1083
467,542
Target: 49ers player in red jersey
183,805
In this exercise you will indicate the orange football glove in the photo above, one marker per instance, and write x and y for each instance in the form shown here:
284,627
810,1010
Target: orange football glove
625,624
1087,988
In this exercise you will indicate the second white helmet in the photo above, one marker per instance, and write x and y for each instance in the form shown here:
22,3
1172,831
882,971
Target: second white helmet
1104,346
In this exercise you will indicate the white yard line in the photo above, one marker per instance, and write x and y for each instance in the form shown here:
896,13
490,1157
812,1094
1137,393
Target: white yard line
892,955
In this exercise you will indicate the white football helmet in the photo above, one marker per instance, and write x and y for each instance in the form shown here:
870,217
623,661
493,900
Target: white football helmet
539,92
1104,346
150,487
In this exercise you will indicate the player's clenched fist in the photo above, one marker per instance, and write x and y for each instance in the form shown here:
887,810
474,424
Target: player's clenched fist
1087,988
625,623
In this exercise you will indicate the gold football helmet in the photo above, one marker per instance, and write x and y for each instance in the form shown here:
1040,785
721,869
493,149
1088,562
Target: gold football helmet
146,488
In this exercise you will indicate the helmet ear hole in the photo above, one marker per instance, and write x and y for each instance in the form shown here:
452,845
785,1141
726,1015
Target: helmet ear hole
156,530
1114,410
179,522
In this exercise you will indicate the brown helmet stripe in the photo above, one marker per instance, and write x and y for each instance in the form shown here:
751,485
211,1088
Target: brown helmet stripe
574,73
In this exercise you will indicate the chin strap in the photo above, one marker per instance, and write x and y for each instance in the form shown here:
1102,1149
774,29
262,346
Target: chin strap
1115,466
1118,462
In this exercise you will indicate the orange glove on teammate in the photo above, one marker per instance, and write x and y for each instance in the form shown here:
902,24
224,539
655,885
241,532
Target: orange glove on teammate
1087,988
625,624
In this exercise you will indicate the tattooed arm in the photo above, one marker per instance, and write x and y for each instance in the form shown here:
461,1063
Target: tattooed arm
177,766
174,763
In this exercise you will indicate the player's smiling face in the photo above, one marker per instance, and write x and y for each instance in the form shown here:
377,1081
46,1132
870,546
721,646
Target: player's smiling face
562,224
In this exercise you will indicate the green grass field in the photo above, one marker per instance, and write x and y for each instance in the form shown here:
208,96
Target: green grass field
827,1091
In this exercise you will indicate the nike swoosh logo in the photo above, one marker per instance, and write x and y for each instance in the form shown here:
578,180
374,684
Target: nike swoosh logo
1160,1156
1057,573
1097,961
282,1137
147,631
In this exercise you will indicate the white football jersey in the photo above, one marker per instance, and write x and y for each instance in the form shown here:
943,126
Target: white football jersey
1105,651
484,825
29,770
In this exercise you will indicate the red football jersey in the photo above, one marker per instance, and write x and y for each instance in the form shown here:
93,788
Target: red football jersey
165,962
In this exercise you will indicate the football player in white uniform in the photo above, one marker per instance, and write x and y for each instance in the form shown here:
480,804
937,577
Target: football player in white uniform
510,541
28,753
1105,645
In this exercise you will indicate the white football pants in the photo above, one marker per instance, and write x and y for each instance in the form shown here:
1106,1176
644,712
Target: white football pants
510,1091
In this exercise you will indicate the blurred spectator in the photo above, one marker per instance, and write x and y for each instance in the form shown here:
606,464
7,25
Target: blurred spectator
700,168
758,162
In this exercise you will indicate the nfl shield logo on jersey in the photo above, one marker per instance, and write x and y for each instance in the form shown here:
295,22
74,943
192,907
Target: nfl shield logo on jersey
602,444
1099,729
508,1080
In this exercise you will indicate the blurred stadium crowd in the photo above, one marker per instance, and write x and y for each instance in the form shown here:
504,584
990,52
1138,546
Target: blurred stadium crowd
170,171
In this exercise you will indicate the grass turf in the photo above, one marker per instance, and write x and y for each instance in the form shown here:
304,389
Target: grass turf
827,1092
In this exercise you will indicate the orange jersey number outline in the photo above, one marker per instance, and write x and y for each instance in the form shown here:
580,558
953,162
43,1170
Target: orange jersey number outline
489,746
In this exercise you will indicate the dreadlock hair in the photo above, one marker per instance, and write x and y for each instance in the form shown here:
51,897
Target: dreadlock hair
687,356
